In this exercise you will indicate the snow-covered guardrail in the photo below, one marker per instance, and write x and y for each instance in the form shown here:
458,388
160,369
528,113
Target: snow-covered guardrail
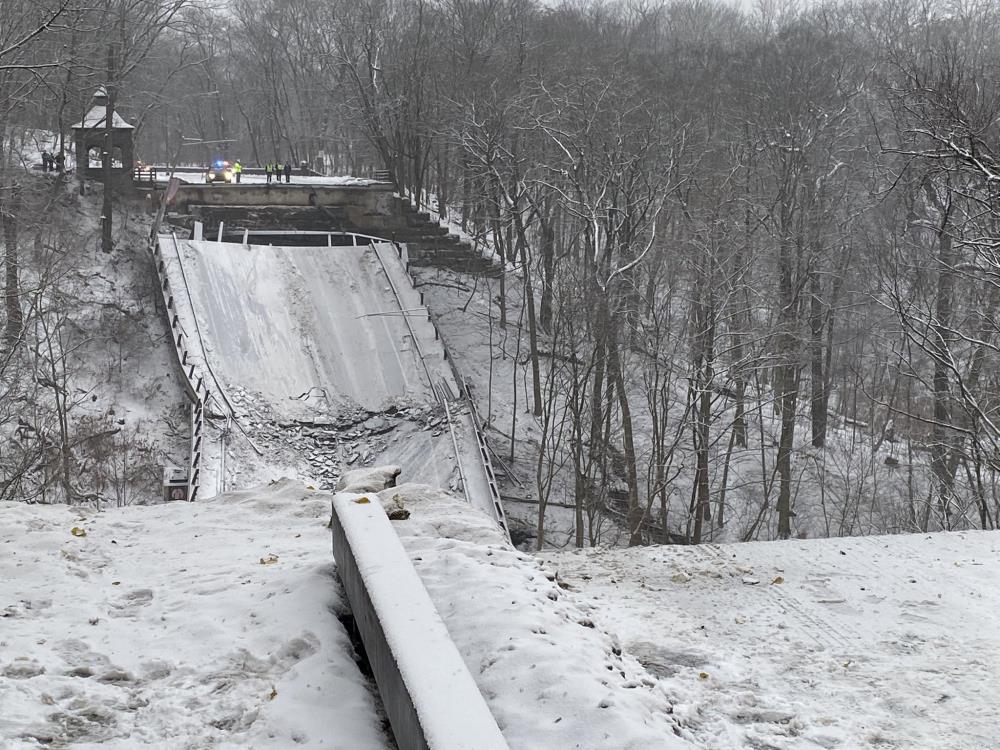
483,453
193,382
431,699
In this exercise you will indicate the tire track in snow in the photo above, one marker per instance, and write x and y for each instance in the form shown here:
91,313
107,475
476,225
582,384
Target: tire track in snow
829,632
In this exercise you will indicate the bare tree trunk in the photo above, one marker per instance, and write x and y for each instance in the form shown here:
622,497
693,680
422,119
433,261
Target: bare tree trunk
720,513
635,510
108,205
704,337
10,209
818,378
548,262
786,387
942,449
529,298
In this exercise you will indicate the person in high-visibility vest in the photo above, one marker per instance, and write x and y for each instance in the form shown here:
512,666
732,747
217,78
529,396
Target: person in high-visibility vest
237,170
267,171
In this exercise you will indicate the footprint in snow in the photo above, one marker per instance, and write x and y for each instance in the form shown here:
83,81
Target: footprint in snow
130,603
22,668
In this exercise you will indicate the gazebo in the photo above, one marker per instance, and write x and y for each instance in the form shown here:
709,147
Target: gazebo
89,137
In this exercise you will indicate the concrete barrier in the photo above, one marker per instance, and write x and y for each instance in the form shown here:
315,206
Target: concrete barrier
431,699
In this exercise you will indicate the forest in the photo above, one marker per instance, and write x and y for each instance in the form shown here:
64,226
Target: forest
754,251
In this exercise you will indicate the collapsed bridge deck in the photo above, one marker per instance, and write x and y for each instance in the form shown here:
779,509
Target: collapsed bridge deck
318,335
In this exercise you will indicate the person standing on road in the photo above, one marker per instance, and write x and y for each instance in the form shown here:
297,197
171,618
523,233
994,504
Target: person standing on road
288,171
267,171
238,170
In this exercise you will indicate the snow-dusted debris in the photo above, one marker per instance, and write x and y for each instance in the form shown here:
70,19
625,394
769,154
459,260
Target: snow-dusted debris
178,626
368,480
552,678
873,642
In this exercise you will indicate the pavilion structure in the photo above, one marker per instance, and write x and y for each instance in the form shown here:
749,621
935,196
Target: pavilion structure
88,135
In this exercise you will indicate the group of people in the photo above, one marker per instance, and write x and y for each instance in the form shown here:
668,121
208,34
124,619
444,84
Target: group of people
276,170
52,163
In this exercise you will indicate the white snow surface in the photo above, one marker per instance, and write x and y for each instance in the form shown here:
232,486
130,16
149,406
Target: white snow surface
551,678
282,321
96,117
316,330
864,642
172,626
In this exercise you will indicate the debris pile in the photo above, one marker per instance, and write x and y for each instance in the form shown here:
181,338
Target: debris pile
323,443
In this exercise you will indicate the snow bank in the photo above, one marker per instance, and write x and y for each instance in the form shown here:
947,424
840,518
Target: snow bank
185,625
552,679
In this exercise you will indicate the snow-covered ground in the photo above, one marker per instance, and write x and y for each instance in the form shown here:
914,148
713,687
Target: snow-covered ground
874,642
552,678
91,317
178,626
214,625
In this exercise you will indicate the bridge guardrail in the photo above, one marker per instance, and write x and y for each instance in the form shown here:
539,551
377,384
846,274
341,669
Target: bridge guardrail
466,396
193,383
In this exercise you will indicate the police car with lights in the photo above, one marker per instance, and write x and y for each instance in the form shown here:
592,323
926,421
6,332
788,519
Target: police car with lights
221,171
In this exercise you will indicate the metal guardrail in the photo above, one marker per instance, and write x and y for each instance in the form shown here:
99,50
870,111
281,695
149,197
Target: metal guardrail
194,383
465,395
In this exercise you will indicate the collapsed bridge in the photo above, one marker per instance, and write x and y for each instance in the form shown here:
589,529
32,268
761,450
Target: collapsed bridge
288,320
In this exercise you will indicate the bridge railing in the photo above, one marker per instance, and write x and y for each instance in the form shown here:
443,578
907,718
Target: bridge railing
483,450
193,382
144,175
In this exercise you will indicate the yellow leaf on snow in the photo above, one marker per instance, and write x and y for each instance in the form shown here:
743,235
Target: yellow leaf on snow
703,675
362,501
779,579
77,531
269,560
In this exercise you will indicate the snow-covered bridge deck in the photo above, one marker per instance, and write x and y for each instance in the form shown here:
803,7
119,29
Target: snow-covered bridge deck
283,321
316,332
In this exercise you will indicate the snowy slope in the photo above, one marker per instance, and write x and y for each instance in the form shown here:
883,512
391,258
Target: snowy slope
162,627
881,642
